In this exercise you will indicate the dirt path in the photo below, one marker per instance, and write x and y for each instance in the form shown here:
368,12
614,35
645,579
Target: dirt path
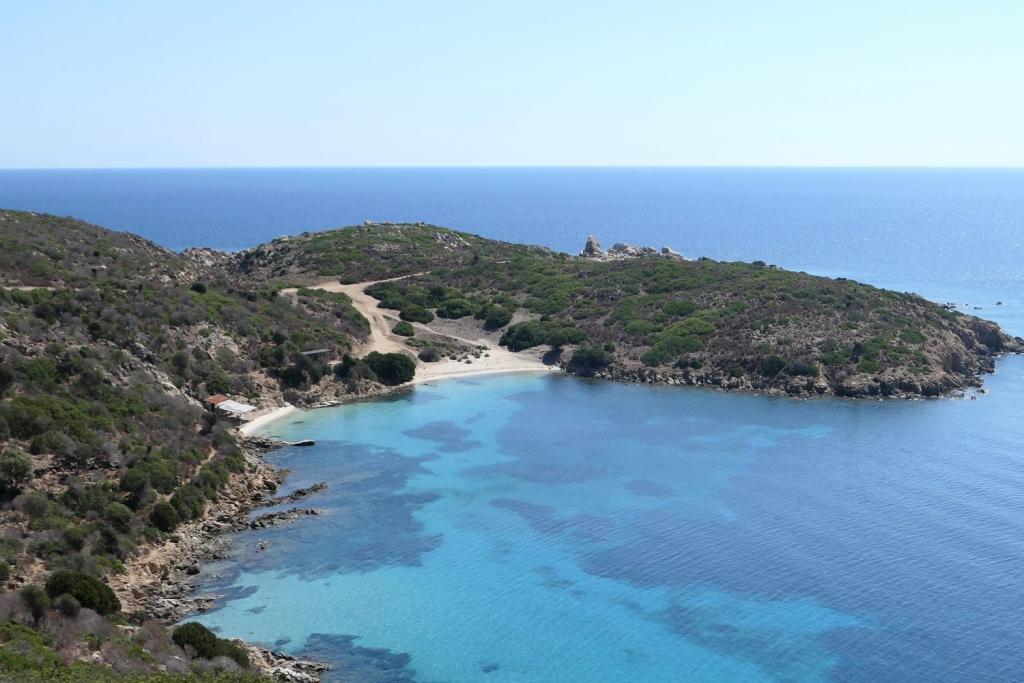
496,359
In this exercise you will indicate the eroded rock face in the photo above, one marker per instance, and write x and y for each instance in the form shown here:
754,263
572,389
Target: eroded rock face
671,253
592,249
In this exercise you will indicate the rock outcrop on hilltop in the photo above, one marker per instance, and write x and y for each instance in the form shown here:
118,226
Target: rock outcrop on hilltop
621,250
592,249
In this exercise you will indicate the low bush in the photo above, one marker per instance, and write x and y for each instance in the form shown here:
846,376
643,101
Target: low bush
771,365
587,360
416,314
67,605
456,308
391,368
802,369
164,517
36,600
15,470
532,333
403,329
207,645
88,590
429,354
193,634
497,317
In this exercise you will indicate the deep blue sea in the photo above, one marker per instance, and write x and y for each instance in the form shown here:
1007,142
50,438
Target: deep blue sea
538,528
950,235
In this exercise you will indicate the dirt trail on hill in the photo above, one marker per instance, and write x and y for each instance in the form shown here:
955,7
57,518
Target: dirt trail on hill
498,359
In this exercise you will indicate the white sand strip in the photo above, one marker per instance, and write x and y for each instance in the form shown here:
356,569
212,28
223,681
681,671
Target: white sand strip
260,421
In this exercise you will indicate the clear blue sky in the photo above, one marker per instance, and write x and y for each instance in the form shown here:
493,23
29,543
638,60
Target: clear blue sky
440,82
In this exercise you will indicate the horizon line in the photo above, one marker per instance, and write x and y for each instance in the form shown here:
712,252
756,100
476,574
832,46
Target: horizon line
524,167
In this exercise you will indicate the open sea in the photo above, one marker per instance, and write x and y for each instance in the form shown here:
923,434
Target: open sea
538,528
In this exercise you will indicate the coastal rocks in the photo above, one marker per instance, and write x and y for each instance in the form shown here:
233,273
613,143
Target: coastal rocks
275,518
262,444
285,668
672,253
296,495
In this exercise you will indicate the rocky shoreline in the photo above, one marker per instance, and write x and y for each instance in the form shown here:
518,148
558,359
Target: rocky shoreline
160,583
902,386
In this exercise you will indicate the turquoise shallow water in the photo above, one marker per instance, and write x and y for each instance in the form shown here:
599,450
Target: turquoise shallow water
537,528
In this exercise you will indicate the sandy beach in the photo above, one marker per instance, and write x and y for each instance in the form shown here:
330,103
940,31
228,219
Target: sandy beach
250,427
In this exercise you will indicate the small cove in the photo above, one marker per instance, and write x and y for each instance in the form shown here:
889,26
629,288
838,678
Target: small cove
525,527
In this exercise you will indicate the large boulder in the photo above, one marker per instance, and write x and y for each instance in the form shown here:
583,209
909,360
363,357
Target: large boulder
592,249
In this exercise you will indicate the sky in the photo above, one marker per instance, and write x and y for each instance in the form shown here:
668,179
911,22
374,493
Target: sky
198,83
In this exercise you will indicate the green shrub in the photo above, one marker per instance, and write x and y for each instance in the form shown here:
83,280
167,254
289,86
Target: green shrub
868,366
119,516
164,517
587,360
802,369
416,314
497,317
456,308
15,470
679,308
207,645
88,590
5,570
225,648
532,333
772,365
403,329
67,605
429,354
36,600
196,636
391,368
199,287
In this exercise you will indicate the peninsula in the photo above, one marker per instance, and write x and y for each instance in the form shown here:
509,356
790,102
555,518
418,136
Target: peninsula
127,370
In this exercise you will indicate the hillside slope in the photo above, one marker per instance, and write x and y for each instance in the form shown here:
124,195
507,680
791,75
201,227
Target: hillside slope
649,316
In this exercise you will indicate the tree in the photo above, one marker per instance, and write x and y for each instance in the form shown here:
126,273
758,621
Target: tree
15,470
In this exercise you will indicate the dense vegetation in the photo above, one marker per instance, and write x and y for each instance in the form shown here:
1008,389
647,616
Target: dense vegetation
30,655
108,344
734,324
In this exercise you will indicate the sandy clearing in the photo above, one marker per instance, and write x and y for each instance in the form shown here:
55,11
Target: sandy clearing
498,359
